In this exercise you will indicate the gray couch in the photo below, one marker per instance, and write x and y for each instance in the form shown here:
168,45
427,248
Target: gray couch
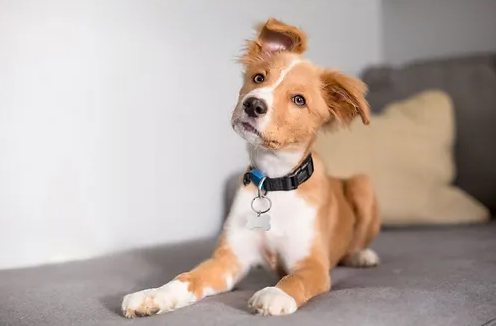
471,82
428,276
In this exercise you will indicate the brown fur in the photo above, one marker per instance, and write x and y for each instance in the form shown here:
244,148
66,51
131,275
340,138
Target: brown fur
345,96
212,272
348,218
294,39
333,99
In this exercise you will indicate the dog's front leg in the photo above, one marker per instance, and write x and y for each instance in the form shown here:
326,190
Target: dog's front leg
215,275
236,252
307,279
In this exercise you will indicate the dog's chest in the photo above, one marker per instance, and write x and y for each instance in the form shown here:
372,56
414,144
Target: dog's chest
292,224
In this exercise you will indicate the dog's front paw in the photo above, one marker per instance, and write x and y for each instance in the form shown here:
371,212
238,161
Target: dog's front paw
272,301
171,296
363,258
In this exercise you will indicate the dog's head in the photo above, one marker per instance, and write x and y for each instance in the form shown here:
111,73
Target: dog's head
285,99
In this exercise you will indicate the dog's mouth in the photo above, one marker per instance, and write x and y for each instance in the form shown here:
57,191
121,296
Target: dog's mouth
249,128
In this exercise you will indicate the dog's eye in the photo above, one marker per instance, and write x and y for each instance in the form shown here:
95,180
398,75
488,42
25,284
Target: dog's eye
258,78
298,100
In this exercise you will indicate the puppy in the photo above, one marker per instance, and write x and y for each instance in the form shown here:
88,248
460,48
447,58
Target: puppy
288,214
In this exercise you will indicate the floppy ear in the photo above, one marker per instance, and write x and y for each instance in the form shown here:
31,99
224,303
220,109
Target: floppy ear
274,36
345,97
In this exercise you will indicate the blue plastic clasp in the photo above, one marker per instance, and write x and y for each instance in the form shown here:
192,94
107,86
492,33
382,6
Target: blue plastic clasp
256,177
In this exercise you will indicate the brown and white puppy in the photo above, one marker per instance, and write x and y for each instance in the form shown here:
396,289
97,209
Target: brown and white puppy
284,101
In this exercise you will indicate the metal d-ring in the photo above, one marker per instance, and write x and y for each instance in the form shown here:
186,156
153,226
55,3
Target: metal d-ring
264,211
260,185
261,196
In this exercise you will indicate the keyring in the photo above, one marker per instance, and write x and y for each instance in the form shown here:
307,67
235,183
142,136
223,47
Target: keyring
261,212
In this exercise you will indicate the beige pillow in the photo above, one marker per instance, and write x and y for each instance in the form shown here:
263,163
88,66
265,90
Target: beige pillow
408,152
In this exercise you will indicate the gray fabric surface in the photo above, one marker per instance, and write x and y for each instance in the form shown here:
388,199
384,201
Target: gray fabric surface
429,276
471,82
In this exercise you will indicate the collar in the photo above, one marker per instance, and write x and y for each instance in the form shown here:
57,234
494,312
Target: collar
286,183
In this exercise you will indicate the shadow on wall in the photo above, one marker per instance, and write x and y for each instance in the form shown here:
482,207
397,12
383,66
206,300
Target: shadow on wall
231,186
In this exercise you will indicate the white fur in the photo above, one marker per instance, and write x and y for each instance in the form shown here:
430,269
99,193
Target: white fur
250,138
291,233
273,163
290,236
363,258
292,218
168,297
272,301
229,282
208,291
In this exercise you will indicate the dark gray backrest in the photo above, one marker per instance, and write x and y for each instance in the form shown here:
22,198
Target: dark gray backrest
471,82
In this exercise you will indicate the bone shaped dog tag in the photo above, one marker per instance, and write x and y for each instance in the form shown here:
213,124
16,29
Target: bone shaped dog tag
261,222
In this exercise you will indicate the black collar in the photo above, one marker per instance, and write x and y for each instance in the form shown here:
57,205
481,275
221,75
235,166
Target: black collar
286,183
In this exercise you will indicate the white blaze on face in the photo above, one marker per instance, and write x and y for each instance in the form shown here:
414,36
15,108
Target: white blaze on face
267,94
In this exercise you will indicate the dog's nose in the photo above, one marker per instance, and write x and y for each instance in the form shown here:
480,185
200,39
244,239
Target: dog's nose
255,107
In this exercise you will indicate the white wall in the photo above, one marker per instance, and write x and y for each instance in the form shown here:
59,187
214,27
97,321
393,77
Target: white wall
114,115
419,29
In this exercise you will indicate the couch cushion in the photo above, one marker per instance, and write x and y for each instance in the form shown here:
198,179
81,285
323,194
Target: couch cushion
421,281
471,83
407,151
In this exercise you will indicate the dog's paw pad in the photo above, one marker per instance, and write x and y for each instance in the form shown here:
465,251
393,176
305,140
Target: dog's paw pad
169,297
272,301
